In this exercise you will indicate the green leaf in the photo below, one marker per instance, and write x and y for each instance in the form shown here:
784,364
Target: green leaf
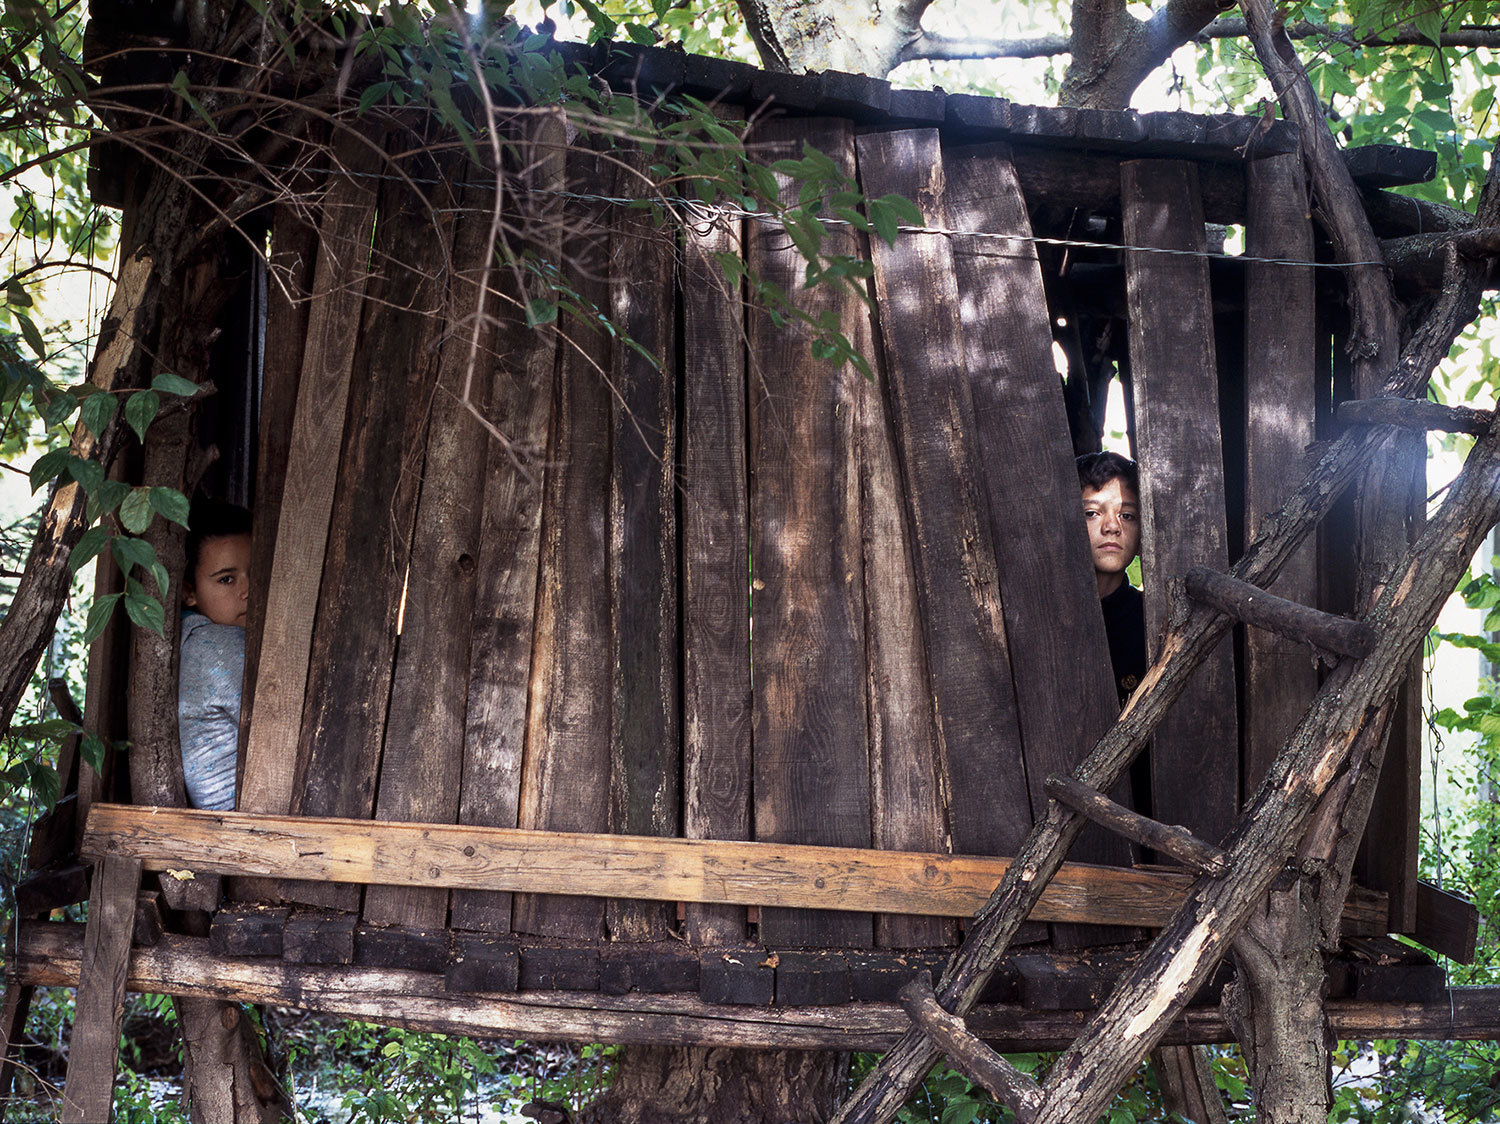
168,383
88,473
159,576
60,409
98,410
146,612
642,35
539,312
93,541
31,333
44,783
171,504
99,614
181,88
907,211
135,510
130,552
47,466
108,496
140,410
50,730
92,750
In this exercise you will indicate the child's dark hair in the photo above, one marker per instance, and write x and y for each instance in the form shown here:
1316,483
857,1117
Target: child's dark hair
1097,469
212,519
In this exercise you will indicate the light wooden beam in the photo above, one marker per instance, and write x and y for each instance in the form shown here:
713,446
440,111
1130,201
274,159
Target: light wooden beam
625,866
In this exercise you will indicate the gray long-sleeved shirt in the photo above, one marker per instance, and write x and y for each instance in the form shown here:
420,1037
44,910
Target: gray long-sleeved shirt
212,665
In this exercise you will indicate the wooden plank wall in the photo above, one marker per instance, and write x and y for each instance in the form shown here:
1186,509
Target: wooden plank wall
537,612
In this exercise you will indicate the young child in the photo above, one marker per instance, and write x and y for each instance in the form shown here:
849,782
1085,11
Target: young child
215,593
1112,512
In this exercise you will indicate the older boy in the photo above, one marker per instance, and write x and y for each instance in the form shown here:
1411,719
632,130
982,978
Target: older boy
1112,513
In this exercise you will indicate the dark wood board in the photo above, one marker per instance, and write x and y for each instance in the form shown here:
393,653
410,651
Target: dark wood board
520,362
565,780
715,563
392,387
1195,754
811,778
14,1010
966,699
645,782
1065,689
94,1046
1280,404
422,763
291,601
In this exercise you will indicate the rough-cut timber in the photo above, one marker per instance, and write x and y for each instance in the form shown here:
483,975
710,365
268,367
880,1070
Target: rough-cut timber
94,1046
1065,690
715,562
932,408
1173,383
812,774
565,778
748,873
49,957
1281,408
312,468
521,400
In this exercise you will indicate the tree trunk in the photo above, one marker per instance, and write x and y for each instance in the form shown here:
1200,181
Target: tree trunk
687,1085
225,1079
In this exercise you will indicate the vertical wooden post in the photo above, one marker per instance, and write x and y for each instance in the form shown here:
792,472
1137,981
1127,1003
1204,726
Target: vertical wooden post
94,1048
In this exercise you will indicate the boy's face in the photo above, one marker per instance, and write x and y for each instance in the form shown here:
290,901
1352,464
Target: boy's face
219,586
1113,516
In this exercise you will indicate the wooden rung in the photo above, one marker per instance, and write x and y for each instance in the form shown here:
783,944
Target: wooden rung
1254,606
1413,413
1007,1084
1178,842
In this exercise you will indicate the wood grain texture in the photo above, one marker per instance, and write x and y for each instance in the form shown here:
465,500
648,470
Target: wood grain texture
312,468
369,533
565,779
422,763
1174,386
392,997
1064,686
519,364
715,563
781,875
291,264
812,780
94,1046
1280,675
645,777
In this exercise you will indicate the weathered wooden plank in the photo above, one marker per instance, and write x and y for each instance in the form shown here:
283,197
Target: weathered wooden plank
715,563
1195,752
645,781
1064,687
749,873
183,966
811,782
369,531
422,764
967,663
14,1010
1281,390
311,470
104,697
1446,923
521,373
292,261
565,782
94,1046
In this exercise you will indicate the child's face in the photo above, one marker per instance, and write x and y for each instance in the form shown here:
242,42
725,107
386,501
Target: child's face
219,586
1113,516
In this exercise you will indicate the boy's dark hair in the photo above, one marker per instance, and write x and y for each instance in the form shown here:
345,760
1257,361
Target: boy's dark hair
212,519
1097,469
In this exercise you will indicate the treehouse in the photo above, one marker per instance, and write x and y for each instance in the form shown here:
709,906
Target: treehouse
621,668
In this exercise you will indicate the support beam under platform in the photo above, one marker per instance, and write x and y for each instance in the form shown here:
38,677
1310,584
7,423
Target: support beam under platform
48,956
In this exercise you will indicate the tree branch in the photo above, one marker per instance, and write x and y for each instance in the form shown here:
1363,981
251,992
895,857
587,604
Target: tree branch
1114,52
930,46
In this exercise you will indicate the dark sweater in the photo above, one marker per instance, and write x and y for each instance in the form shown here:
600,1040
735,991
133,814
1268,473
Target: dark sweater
1125,625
